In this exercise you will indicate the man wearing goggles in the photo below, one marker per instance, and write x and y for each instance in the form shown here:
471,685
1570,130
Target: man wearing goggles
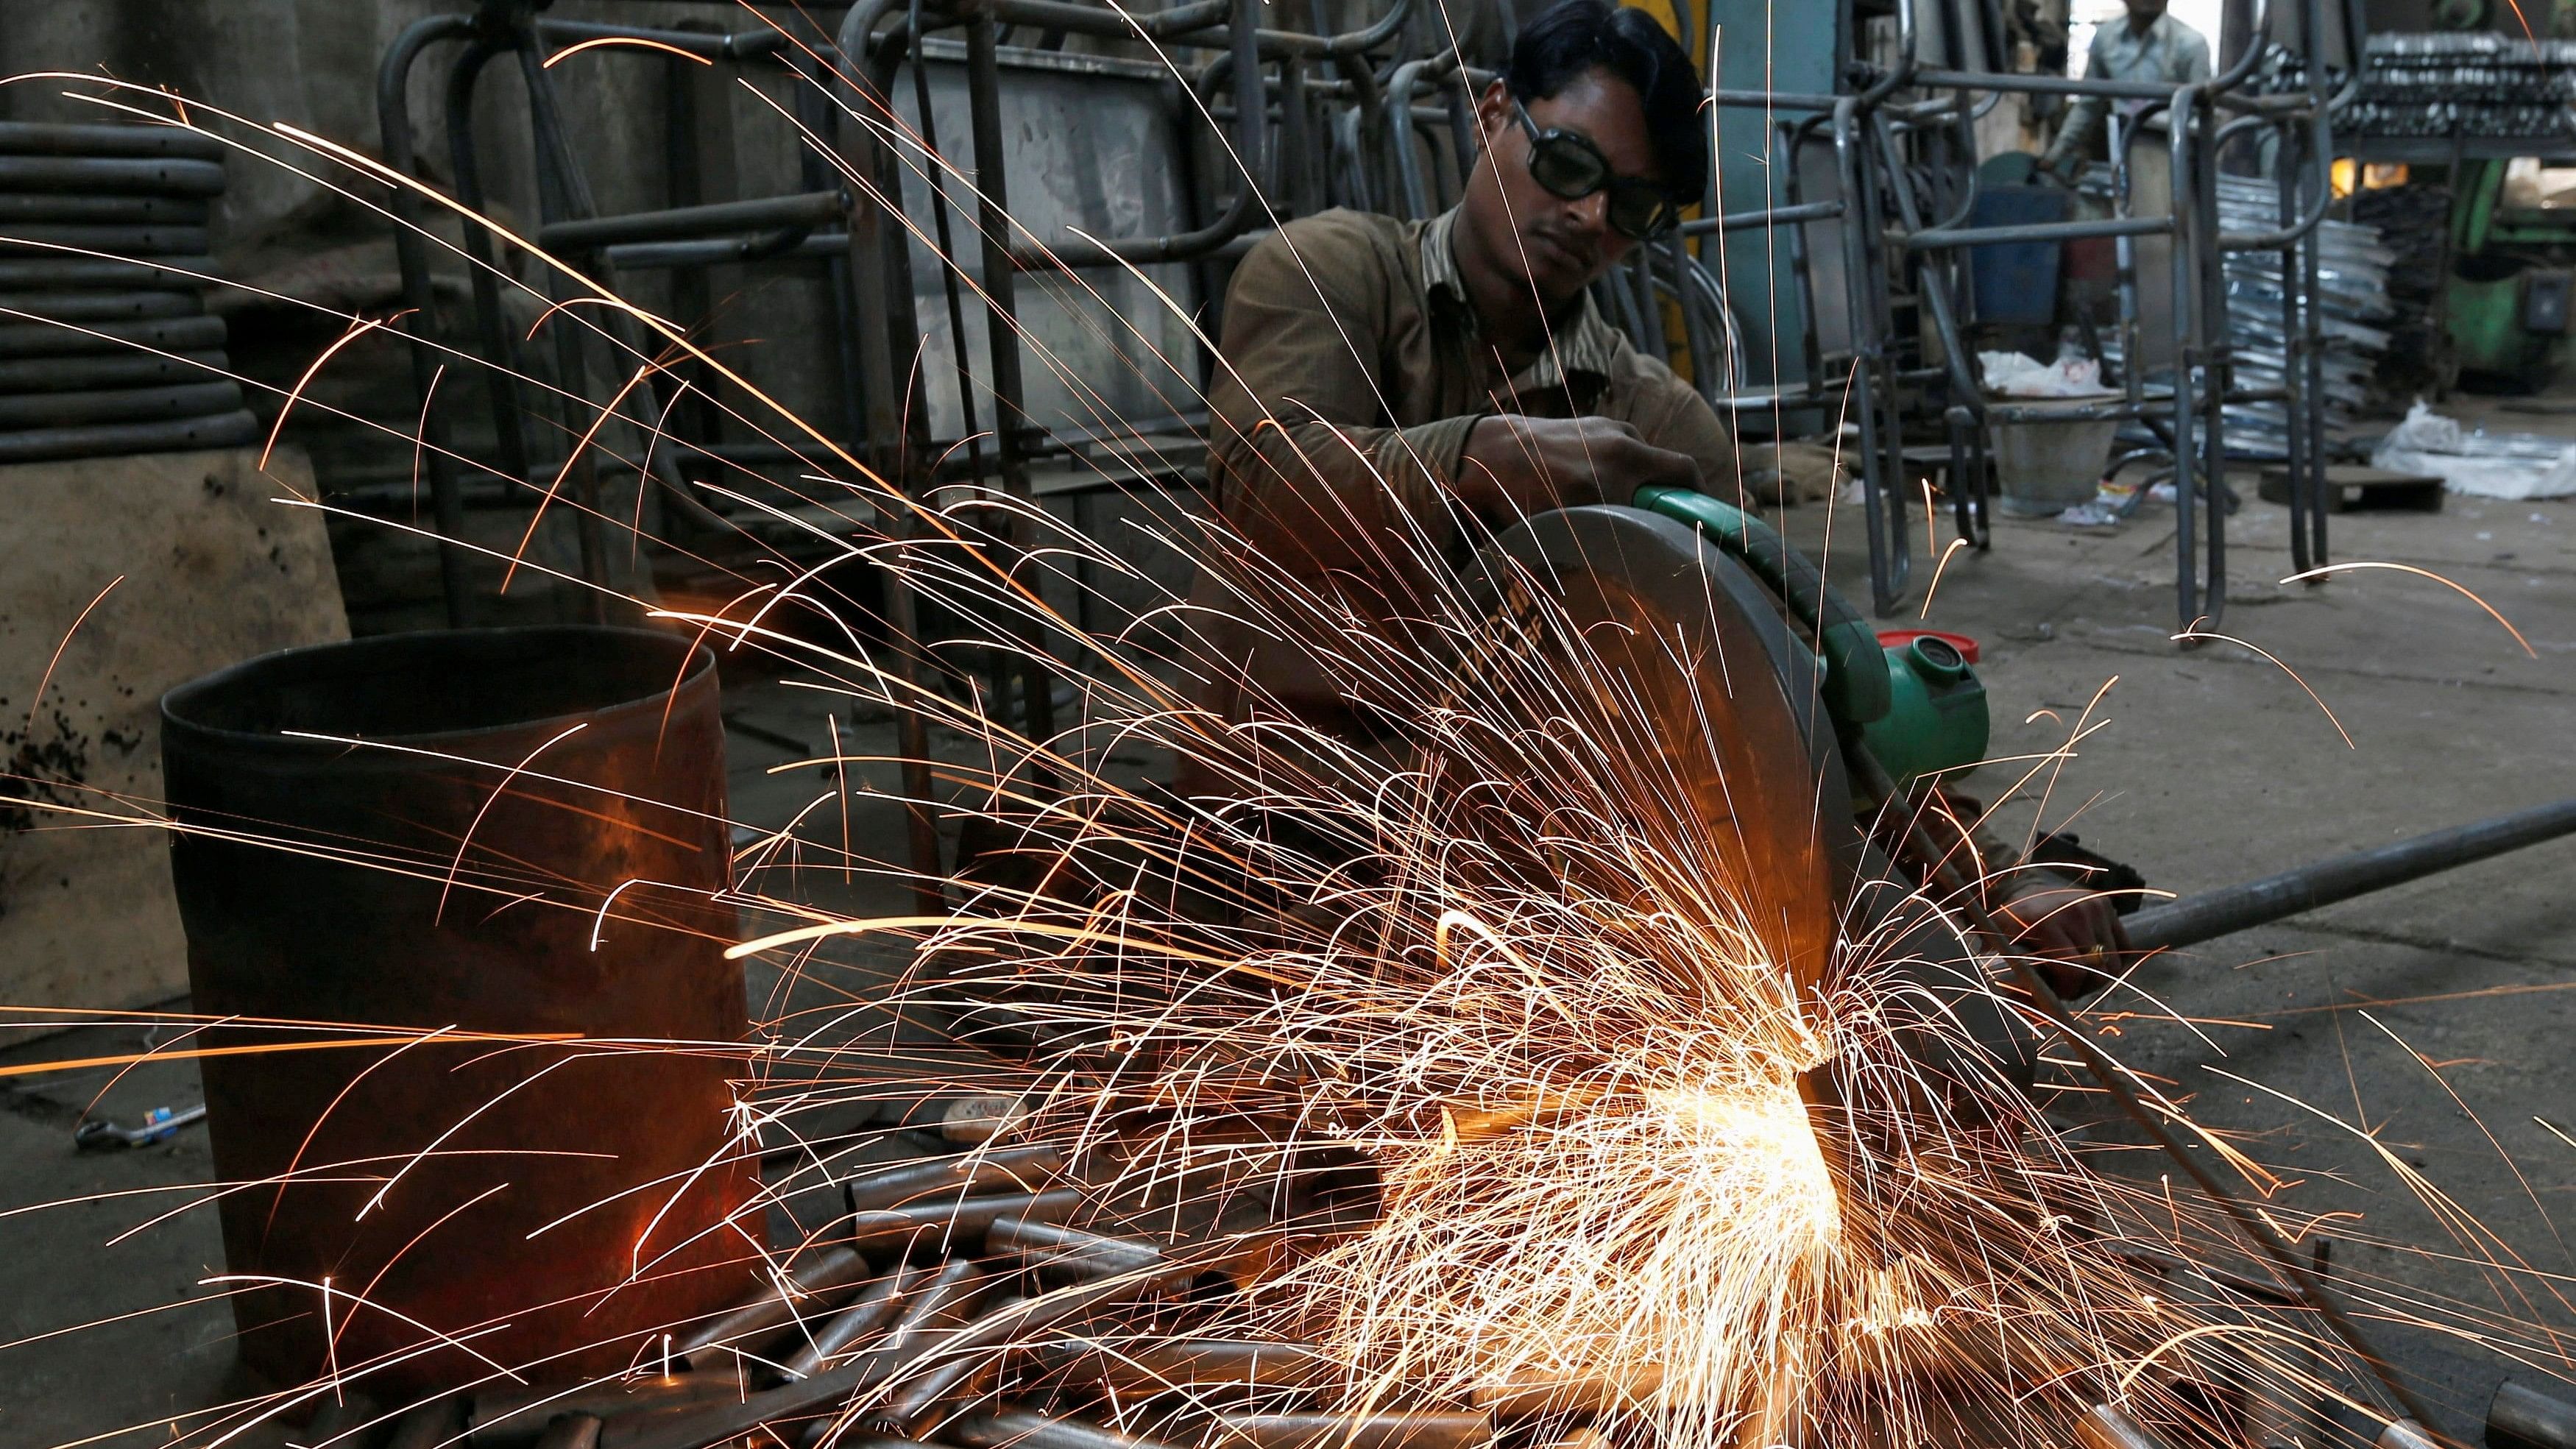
1387,381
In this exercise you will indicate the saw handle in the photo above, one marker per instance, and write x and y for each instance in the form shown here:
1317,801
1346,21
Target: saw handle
1855,686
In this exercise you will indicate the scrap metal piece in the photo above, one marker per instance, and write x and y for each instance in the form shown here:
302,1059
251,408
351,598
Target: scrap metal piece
954,1377
1093,1255
2106,1426
958,1219
898,1184
876,1304
520,1415
160,1123
818,1280
1427,1430
1189,1362
1017,1428
1526,1395
573,1431
2522,1418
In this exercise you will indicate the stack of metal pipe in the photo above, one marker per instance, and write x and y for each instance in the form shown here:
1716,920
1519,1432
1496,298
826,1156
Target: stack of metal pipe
2352,298
941,1277
2352,295
105,345
2474,84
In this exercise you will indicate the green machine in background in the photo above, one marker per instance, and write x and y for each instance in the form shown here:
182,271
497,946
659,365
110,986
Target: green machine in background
2506,300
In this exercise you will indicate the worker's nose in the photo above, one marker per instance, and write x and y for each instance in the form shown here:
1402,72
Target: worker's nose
1590,213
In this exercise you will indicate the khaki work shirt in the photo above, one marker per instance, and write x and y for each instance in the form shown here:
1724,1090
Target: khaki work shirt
1352,372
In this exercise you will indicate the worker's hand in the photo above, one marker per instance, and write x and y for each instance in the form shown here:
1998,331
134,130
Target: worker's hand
1519,465
2058,168
2073,932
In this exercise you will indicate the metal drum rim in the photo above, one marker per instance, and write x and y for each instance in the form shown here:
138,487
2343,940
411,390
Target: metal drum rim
700,670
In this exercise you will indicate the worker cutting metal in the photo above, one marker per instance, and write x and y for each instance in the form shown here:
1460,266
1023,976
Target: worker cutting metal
1386,382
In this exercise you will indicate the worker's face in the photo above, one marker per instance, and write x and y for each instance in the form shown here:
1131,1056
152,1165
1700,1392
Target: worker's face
2143,13
1555,246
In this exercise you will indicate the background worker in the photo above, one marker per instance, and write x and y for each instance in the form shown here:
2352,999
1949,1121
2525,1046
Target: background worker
2149,46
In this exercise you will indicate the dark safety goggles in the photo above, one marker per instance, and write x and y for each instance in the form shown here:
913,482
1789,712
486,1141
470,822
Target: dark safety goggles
1572,168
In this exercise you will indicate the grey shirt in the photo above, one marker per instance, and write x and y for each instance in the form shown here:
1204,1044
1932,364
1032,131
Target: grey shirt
2170,53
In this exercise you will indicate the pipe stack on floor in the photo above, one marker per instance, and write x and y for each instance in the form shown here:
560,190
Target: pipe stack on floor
105,345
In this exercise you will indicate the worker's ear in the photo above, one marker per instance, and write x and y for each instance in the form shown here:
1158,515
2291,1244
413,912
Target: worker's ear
1493,111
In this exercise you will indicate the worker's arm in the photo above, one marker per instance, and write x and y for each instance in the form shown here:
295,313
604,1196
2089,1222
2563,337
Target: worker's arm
1302,466
2084,116
1669,414
2067,151
1308,472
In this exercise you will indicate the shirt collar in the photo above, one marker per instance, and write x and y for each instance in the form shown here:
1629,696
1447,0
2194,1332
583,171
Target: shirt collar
1589,347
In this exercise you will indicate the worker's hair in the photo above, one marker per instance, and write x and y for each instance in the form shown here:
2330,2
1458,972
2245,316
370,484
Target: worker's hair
1575,36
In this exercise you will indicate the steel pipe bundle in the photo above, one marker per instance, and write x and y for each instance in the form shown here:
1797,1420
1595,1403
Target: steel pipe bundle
2352,297
102,272
2459,83
887,1341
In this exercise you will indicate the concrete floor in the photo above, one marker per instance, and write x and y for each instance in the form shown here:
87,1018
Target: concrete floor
2215,766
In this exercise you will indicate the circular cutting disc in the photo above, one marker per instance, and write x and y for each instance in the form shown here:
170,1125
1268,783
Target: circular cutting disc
1705,710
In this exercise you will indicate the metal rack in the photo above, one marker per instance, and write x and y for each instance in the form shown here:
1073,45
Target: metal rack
1896,165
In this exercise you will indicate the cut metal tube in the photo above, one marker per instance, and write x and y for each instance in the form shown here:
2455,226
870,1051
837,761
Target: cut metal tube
1025,1429
932,1306
119,405
1093,1255
1525,1395
874,1308
114,138
121,176
133,368
919,1398
809,208
89,440
48,206
1160,1367
124,241
821,1276
20,340
973,1172
2212,914
519,1415
1440,1430
877,1303
2521,1418
21,272
429,1426
21,305
2405,1434
574,1431
876,1366
2104,1426
956,1217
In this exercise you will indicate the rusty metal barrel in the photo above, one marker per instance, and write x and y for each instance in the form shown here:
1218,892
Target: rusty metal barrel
458,897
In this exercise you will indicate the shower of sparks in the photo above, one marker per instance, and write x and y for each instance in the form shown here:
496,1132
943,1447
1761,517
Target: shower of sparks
1486,1054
